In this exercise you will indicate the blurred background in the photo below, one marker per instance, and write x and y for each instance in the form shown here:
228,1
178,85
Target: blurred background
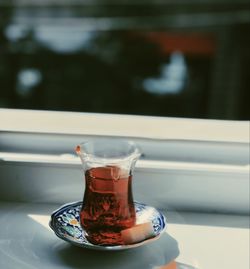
164,58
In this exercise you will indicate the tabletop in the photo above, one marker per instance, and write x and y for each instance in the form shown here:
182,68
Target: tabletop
192,240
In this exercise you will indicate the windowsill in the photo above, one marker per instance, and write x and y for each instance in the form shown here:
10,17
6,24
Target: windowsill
57,122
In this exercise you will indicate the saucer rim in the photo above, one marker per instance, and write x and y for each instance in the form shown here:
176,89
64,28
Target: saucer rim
100,247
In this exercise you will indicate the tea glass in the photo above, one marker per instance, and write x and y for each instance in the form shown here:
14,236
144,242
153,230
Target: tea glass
108,206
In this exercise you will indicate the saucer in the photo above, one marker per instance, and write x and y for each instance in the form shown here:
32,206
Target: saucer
65,222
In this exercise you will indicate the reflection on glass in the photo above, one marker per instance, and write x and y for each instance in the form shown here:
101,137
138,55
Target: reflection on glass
66,41
172,79
27,79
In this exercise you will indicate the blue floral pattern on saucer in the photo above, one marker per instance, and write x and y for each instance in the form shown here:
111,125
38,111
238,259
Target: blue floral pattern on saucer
65,222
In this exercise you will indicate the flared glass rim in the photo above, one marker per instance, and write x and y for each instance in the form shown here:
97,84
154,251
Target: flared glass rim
111,149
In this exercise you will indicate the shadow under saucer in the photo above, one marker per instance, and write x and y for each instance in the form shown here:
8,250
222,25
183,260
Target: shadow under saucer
156,254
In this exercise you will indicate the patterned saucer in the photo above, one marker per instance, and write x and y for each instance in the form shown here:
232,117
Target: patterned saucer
65,223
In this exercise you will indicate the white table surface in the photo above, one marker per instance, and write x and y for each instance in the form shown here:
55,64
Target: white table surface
203,241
